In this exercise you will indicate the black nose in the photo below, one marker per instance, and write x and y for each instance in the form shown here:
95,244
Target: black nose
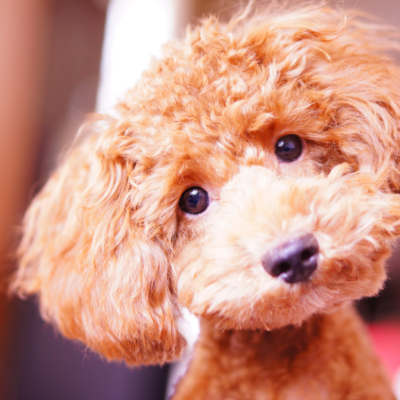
294,260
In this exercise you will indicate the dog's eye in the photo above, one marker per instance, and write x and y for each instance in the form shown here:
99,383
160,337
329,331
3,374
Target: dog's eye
194,200
288,148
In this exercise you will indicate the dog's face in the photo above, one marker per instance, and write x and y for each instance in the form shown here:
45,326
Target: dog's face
251,177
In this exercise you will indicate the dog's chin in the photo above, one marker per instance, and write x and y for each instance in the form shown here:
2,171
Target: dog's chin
262,320
272,321
266,323
282,305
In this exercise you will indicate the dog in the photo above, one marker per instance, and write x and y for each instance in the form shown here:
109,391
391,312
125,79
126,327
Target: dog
252,176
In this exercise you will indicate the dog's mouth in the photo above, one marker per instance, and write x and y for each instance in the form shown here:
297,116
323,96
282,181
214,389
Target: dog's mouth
294,260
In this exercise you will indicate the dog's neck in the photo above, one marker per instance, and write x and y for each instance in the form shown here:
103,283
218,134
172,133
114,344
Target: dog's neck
326,357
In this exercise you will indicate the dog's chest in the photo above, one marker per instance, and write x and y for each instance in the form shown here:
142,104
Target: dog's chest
306,389
238,385
249,365
318,361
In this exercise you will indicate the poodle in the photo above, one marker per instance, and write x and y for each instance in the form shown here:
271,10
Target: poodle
251,176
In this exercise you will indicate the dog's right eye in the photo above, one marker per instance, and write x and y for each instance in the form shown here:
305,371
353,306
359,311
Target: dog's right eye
288,148
194,200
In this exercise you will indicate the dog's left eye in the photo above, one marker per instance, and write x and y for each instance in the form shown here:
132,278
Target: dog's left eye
288,148
194,200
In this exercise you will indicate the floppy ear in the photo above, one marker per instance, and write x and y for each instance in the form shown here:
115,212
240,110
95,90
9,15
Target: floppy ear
100,276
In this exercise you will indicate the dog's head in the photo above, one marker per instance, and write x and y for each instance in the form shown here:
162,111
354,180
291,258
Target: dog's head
251,176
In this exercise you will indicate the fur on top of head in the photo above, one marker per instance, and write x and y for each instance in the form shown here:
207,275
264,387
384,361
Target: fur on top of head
110,252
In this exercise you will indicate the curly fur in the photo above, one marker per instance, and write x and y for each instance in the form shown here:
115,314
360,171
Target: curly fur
112,257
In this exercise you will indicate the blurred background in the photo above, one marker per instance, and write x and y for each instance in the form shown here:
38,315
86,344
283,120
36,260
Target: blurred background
59,60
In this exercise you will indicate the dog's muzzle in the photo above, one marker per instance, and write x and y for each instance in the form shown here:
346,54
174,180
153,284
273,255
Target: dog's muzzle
294,260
